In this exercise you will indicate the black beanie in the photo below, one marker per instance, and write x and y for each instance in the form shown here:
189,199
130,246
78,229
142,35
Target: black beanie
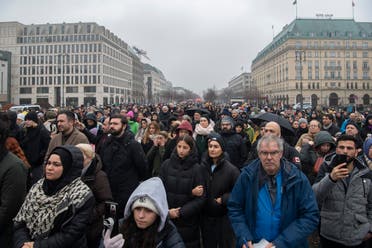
65,157
216,137
32,116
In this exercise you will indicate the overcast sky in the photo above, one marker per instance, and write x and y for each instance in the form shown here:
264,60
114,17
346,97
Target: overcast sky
197,44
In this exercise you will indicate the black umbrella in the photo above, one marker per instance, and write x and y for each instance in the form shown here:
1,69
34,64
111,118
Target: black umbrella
283,123
191,111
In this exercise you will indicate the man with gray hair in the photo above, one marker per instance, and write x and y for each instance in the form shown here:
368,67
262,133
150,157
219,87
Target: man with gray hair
272,201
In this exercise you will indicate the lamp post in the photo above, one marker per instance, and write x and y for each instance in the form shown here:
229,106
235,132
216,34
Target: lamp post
62,62
301,57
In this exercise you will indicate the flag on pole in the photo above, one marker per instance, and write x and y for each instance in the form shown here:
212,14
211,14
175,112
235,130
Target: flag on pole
294,2
352,3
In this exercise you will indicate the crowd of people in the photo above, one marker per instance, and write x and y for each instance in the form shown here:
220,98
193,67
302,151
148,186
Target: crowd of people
185,176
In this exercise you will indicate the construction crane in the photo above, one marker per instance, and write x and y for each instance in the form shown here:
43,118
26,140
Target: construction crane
141,52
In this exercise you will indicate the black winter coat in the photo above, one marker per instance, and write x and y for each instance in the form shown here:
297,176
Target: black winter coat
236,148
219,183
180,176
125,165
35,144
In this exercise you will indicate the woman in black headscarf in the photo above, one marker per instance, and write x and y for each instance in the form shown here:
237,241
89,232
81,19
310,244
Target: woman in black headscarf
57,208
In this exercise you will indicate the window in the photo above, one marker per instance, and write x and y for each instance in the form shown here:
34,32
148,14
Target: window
89,89
42,90
365,54
27,90
72,89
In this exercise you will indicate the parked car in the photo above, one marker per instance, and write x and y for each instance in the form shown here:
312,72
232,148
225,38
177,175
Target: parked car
22,107
305,105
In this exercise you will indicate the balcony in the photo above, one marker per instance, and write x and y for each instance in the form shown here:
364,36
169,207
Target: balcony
332,68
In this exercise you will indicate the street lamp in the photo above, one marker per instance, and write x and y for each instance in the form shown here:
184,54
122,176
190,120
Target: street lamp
301,57
62,62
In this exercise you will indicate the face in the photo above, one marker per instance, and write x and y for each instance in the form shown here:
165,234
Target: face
152,129
29,123
214,149
197,116
234,114
347,147
53,168
106,125
351,130
204,122
225,126
326,121
370,152
324,148
238,129
295,124
183,149
270,156
303,125
64,124
314,127
182,132
144,217
90,122
272,128
143,124
116,127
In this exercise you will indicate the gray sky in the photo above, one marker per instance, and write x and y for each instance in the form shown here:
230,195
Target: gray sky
196,43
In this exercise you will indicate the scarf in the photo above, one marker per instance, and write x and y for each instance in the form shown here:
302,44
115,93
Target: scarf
199,130
39,210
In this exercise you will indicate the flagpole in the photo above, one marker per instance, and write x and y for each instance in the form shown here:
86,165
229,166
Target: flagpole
296,10
353,6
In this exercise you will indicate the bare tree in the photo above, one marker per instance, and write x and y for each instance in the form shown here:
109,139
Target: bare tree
210,95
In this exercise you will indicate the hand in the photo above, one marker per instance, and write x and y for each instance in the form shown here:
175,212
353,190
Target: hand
340,171
174,213
28,245
269,245
248,245
198,190
311,143
218,200
368,236
114,242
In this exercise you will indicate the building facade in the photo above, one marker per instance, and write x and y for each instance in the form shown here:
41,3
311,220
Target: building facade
67,64
5,76
156,85
239,84
324,61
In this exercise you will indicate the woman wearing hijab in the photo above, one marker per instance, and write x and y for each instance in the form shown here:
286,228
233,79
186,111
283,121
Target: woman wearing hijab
57,208
146,223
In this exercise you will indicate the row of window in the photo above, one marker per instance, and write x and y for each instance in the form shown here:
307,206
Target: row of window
334,54
59,49
349,85
333,44
57,70
56,80
45,90
59,38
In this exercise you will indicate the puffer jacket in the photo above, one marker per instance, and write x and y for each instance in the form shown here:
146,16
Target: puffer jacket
180,176
346,208
235,147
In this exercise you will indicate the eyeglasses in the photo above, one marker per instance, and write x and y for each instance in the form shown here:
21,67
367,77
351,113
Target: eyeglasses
266,154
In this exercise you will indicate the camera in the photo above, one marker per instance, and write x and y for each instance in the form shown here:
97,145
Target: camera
111,221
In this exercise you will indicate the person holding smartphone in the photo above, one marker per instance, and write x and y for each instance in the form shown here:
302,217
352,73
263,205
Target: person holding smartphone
343,190
146,221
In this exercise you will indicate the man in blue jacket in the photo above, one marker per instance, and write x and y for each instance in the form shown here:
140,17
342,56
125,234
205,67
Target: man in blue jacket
272,200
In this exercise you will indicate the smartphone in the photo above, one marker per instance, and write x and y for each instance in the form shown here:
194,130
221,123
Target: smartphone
339,159
111,220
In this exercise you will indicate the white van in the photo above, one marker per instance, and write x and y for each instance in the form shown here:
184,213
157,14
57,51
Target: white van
22,107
